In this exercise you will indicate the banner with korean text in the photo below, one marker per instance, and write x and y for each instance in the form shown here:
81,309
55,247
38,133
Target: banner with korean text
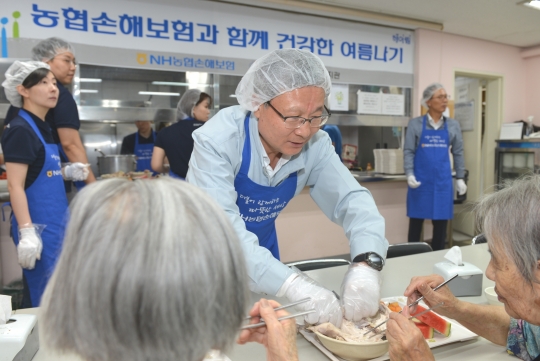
205,36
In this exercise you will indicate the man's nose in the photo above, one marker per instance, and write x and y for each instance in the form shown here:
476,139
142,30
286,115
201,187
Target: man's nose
304,130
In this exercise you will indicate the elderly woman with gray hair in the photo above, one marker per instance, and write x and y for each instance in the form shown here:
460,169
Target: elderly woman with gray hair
143,277
176,143
509,220
427,166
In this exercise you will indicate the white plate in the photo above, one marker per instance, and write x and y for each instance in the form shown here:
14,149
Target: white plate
458,333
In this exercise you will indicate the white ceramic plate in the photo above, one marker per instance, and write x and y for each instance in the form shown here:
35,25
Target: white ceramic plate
458,334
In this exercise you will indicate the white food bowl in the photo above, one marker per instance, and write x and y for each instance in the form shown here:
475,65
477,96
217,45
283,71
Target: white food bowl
354,351
492,296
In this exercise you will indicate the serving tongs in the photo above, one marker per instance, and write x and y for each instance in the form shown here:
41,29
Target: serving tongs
262,323
415,303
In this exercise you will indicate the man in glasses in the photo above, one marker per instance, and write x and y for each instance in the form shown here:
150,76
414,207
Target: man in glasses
255,157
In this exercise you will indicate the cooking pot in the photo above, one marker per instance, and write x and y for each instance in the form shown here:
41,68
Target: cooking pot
108,164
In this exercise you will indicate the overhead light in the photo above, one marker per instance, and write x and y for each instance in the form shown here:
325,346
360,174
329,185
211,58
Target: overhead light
232,96
90,80
91,91
535,4
174,83
159,93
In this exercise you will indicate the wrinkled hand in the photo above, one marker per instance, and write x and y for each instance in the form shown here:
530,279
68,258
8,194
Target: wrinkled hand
29,247
278,337
412,182
423,286
360,291
461,187
405,339
76,171
325,303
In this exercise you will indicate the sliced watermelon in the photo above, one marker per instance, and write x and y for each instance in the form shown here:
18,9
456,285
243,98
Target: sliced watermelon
426,330
433,320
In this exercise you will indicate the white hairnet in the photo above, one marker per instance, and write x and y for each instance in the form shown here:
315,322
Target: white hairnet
15,75
279,72
47,49
428,93
185,106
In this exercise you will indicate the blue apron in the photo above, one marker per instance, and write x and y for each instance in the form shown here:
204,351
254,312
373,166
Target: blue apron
434,198
144,153
260,205
47,203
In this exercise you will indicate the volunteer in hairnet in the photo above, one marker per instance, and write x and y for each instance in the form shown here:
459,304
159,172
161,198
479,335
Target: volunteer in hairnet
255,157
37,194
64,118
176,143
427,166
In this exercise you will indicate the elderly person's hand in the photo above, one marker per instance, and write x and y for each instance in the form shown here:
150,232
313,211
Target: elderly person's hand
423,286
405,339
361,292
278,337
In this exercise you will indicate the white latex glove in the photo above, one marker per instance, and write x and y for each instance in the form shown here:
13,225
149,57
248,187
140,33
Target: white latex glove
76,171
461,187
360,292
325,303
413,183
29,248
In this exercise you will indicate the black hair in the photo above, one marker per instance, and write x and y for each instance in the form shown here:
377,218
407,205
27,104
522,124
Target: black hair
35,77
203,97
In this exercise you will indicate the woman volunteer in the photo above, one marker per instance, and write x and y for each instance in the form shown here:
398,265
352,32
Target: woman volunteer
35,184
176,142
428,169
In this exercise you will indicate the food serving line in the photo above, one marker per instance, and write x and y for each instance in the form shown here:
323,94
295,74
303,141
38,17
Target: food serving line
396,276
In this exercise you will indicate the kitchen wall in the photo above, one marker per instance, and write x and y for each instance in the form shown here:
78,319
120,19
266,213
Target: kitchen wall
531,90
438,55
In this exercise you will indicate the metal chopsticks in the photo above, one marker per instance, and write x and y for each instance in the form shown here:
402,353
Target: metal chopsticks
287,306
260,324
416,302
435,289
418,314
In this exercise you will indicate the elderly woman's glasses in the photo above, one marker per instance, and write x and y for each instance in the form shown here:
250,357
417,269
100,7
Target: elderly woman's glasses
297,122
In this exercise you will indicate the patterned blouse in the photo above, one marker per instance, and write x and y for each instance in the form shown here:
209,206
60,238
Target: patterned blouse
523,340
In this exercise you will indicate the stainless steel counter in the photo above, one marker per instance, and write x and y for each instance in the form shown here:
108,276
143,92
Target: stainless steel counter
362,177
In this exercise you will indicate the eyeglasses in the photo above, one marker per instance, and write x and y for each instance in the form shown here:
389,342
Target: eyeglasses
68,60
297,122
441,97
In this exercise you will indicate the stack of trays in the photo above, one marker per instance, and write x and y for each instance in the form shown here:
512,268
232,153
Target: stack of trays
388,161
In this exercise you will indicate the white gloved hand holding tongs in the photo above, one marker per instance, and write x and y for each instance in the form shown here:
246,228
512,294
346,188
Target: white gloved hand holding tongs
76,171
360,292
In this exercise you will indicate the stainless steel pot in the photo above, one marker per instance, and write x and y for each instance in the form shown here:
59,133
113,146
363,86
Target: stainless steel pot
108,164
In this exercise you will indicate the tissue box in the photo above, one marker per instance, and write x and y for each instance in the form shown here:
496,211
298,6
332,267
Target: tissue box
469,282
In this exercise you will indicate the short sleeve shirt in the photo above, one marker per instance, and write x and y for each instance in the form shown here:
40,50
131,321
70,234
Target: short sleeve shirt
177,142
64,115
523,340
128,143
22,145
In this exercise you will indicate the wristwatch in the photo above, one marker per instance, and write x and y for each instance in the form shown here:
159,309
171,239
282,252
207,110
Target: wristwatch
372,259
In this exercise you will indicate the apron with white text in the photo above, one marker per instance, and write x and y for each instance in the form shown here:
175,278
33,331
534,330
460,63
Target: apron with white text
47,204
434,198
260,205
144,153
